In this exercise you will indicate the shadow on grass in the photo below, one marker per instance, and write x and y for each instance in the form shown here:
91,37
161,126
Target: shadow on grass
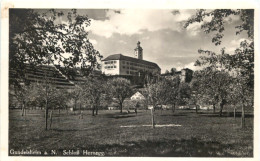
173,115
167,148
67,130
119,115
225,114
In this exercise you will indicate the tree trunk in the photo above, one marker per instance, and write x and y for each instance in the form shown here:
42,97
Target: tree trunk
46,115
221,104
50,119
52,111
173,108
152,114
121,107
234,112
93,110
22,110
196,108
96,110
59,111
214,108
243,116
75,106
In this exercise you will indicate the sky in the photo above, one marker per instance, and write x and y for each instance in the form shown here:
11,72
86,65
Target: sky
163,38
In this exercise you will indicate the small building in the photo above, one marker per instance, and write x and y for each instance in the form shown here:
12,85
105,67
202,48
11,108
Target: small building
112,108
113,105
185,75
137,96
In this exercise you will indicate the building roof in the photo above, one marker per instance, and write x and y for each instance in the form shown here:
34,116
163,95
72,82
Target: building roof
128,58
137,94
76,75
41,73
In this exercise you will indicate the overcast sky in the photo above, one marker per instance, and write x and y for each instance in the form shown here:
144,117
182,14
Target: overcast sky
161,33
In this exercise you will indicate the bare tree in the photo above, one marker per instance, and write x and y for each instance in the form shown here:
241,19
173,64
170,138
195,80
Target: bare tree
240,94
119,89
61,99
157,95
213,85
94,93
173,93
24,94
75,94
47,93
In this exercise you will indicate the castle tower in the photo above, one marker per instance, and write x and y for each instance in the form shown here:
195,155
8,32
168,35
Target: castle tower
139,51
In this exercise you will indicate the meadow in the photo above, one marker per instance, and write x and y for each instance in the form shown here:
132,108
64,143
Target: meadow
128,134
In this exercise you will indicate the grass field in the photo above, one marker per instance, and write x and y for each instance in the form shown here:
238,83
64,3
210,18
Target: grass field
200,135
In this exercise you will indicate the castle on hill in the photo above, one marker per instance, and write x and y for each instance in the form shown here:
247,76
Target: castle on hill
119,64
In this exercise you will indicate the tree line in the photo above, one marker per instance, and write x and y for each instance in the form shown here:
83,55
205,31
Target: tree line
207,88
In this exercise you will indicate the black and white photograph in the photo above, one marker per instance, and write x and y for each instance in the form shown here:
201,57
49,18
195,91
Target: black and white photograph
131,82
